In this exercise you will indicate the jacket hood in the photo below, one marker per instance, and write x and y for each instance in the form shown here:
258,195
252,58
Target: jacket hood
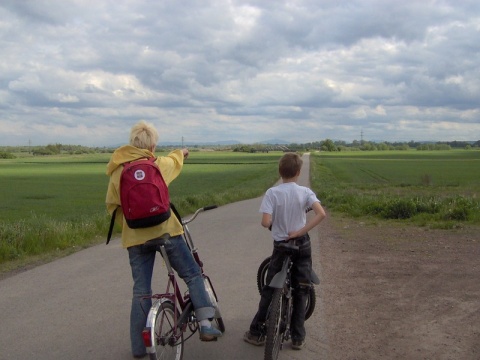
125,154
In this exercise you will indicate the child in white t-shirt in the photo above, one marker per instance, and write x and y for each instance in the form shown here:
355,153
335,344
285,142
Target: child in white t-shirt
283,211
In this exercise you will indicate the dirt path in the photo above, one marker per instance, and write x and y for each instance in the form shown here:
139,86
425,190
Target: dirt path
391,292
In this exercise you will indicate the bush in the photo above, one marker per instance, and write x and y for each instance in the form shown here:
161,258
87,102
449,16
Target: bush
400,209
6,155
429,206
460,209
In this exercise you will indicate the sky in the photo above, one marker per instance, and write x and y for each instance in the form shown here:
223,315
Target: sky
82,72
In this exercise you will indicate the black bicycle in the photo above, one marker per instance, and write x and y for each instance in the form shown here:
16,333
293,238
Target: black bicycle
280,310
311,299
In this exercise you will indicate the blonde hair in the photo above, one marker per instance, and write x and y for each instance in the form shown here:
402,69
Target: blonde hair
289,165
143,135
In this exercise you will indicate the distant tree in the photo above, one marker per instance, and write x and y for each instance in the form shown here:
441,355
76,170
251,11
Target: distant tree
328,145
382,146
422,147
54,149
443,147
367,146
458,144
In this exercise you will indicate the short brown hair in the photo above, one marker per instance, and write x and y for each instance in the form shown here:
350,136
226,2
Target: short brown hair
289,165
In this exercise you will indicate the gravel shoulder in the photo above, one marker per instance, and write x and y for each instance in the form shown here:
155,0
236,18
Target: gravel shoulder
400,292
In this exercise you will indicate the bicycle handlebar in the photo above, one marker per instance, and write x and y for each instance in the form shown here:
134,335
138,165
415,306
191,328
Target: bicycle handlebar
210,207
205,208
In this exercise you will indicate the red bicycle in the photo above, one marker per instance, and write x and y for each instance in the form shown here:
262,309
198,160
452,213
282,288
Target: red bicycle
172,313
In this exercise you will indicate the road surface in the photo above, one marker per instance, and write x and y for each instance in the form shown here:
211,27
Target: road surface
77,307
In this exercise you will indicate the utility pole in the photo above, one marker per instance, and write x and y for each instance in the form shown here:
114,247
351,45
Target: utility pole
182,142
361,137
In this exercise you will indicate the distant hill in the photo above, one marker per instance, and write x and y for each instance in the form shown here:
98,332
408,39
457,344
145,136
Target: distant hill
275,142
207,143
285,142
222,143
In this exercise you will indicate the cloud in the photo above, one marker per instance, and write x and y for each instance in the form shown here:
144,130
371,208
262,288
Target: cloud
83,72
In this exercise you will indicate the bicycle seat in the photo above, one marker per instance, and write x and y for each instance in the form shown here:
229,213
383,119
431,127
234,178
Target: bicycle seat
288,245
160,241
315,278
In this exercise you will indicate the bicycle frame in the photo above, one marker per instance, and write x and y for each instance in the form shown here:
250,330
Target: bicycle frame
183,314
182,307
280,310
282,280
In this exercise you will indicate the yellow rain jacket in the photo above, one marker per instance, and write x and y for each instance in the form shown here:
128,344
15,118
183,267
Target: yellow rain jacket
170,167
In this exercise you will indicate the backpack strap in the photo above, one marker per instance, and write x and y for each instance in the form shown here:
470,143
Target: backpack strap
112,221
175,211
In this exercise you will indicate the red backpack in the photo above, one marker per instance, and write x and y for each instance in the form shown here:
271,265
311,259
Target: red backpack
143,195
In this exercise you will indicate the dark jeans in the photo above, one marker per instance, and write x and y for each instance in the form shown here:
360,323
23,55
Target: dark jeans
301,279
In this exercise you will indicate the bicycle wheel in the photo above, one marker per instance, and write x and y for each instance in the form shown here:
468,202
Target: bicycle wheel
262,279
275,325
168,343
262,274
311,302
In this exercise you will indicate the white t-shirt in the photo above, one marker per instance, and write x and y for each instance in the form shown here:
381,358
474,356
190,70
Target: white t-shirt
287,203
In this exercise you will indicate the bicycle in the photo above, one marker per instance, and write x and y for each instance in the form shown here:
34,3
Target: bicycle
311,299
172,313
280,310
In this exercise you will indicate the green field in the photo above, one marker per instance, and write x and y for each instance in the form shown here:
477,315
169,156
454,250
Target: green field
53,205
56,203
436,188
66,187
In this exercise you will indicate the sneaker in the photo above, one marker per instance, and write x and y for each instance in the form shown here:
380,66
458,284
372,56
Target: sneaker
253,339
209,333
298,344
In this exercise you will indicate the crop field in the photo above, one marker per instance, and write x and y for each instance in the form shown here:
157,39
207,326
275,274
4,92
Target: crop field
437,188
55,203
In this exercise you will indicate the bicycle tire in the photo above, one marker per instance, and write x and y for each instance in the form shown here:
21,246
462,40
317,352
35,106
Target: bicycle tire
262,274
164,329
261,280
274,326
311,302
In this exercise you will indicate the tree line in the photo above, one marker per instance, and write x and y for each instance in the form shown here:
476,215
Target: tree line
323,145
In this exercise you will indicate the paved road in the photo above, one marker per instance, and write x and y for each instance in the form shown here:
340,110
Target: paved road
78,307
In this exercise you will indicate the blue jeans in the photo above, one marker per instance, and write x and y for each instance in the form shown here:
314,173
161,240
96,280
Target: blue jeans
142,259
